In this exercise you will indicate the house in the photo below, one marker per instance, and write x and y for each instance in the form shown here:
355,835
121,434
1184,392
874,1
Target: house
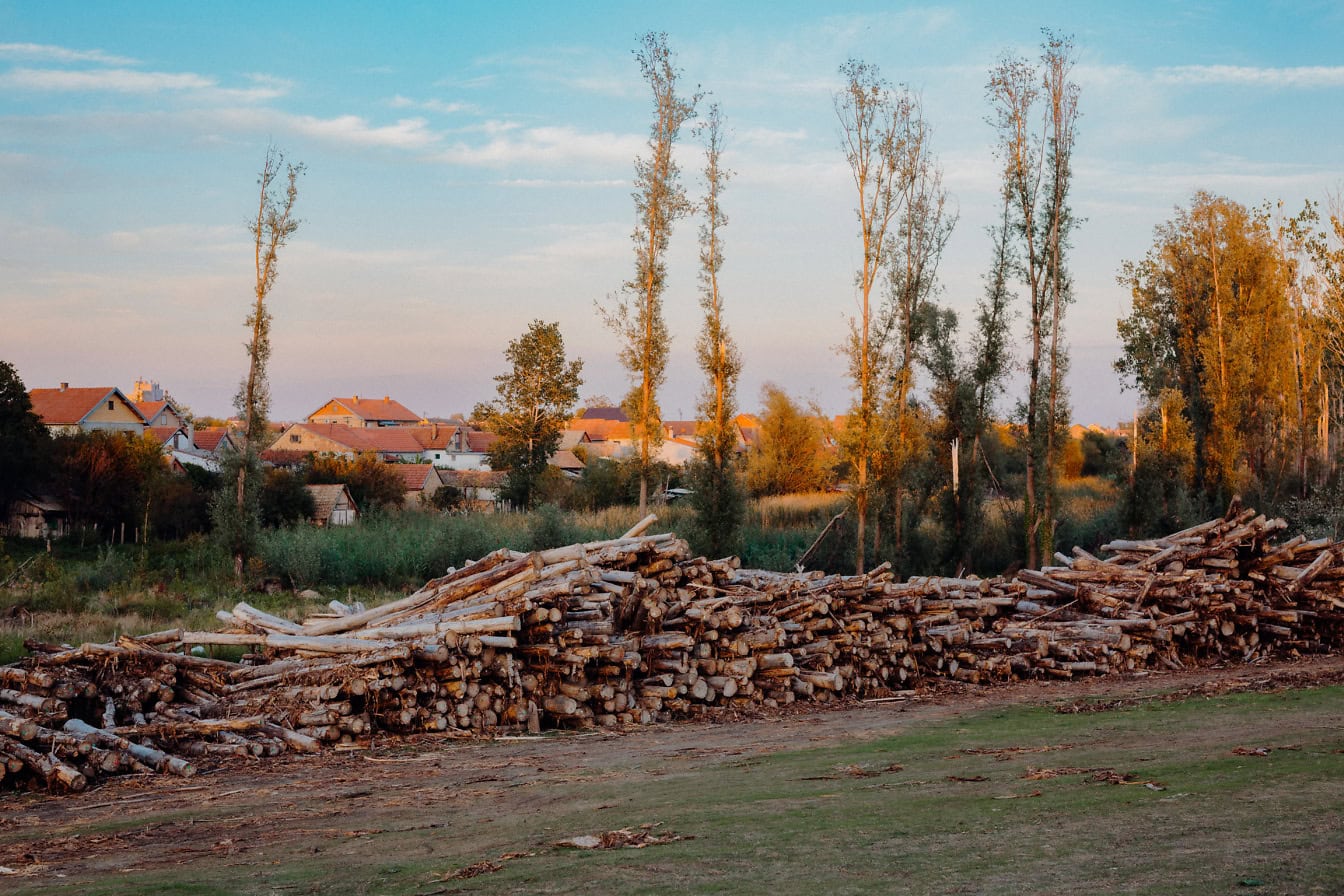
36,516
607,431
480,488
389,443
214,441
455,446
364,413
157,406
566,462
332,505
419,482
65,410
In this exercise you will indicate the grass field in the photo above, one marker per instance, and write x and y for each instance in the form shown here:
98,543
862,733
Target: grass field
1241,793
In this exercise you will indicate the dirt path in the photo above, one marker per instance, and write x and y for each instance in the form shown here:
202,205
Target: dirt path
236,811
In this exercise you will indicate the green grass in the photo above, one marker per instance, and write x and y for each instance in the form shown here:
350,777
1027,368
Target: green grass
806,821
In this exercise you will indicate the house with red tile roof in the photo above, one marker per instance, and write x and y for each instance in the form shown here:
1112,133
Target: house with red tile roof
214,440
389,443
368,413
68,410
455,447
419,482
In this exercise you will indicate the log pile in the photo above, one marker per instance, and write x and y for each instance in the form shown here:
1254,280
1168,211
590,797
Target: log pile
635,630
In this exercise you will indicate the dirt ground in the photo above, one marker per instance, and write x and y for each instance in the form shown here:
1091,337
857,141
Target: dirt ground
241,811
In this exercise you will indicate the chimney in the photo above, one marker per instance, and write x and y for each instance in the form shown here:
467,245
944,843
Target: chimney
355,398
387,398
64,386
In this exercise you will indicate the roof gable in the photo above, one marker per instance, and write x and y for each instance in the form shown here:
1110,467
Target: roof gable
385,408
68,407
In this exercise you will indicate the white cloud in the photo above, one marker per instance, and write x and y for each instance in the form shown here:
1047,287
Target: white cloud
1295,77
407,133
431,105
117,80
547,145
63,54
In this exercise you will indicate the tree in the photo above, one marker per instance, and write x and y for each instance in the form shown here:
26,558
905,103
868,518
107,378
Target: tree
716,493
24,442
1214,320
284,500
790,454
534,401
373,484
108,481
1037,172
660,201
873,120
274,225
923,224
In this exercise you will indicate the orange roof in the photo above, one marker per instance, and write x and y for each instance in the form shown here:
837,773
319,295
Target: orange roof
387,440
600,429
64,407
162,434
148,409
480,441
413,476
376,409
209,439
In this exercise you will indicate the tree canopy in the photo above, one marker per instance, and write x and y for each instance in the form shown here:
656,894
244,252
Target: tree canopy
535,399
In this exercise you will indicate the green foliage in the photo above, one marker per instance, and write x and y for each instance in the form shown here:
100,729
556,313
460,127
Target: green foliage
720,505
284,500
24,443
547,528
790,455
1104,455
1219,319
108,480
535,399
236,519
373,485
714,477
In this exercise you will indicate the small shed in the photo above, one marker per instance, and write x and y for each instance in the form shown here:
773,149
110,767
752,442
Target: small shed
36,516
332,505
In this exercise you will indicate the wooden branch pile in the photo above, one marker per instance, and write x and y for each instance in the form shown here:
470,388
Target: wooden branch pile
634,630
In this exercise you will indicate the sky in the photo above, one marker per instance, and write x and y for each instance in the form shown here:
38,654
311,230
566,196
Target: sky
469,169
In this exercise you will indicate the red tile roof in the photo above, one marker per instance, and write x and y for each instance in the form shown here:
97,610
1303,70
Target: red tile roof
64,407
161,434
413,476
148,409
209,439
385,440
479,441
384,408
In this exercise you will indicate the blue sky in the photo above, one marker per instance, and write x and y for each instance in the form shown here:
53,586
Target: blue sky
469,170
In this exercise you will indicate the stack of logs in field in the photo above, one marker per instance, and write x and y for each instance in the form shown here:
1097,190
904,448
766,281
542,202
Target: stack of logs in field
634,630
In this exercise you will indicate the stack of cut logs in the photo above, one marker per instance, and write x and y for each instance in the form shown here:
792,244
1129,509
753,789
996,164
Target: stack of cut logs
634,630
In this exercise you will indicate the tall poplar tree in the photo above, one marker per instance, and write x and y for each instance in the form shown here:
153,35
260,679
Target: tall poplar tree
1035,112
717,493
237,511
872,117
660,201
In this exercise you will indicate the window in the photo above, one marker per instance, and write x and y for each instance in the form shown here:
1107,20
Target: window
110,406
294,437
